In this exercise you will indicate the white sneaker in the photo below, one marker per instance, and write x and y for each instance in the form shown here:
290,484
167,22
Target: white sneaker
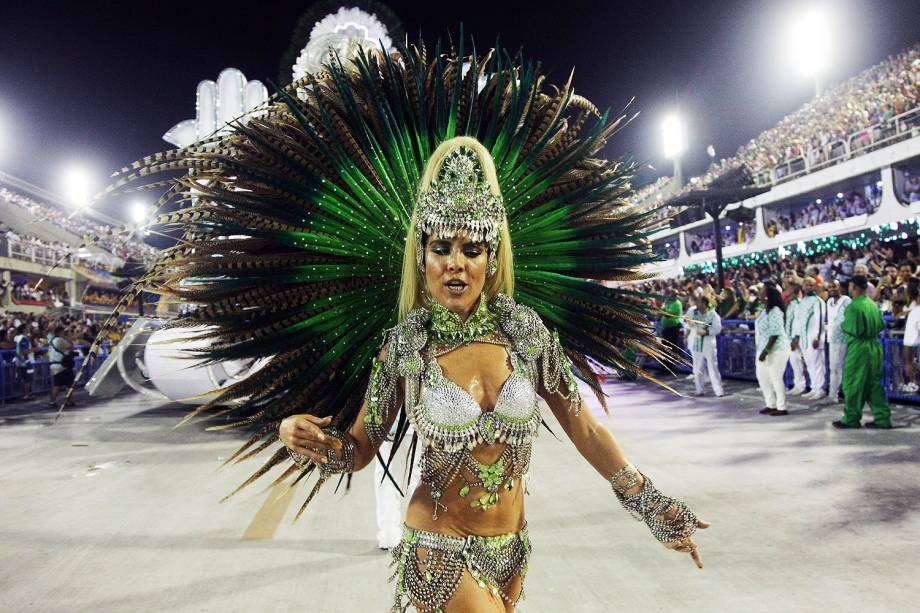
819,396
796,391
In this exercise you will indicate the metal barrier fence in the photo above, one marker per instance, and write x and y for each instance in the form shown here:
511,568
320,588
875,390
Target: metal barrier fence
737,359
12,384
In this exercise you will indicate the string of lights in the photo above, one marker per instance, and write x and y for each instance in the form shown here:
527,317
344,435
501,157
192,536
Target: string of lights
902,230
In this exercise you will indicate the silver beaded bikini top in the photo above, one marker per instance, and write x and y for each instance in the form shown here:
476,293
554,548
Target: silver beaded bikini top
447,417
444,414
448,420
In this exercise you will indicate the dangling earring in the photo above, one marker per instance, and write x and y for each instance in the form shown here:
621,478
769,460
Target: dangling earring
419,253
493,263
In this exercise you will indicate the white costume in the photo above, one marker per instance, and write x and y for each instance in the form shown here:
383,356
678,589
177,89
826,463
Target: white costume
703,347
770,371
389,501
837,347
795,357
911,341
811,317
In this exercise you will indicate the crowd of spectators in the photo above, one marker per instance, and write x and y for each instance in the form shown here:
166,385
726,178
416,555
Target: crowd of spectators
652,195
911,186
887,267
117,241
821,211
28,340
31,248
29,293
874,96
82,332
731,235
99,297
669,249
863,107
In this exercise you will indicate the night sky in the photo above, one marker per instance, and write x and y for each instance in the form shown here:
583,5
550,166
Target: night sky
100,82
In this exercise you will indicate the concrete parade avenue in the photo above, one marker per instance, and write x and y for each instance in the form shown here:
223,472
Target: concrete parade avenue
112,509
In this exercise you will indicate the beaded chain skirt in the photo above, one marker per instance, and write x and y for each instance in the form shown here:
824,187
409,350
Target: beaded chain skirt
428,579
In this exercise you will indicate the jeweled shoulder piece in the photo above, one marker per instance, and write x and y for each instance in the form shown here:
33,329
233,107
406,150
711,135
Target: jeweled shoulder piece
460,201
407,340
523,326
539,347
404,344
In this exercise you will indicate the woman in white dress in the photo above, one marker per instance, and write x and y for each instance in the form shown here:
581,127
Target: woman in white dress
772,351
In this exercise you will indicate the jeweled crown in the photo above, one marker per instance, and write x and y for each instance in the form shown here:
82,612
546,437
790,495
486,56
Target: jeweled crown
460,201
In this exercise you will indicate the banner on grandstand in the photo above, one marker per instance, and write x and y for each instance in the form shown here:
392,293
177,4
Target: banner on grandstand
97,278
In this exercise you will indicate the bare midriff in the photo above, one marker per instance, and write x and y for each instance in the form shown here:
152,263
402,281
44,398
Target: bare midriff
461,519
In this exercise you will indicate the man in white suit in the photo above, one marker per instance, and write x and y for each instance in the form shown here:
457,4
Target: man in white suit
836,343
703,325
792,287
811,316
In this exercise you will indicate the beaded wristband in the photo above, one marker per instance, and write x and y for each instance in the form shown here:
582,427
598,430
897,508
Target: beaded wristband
334,466
649,504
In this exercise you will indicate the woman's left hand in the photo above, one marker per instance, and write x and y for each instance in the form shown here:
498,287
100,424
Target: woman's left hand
688,546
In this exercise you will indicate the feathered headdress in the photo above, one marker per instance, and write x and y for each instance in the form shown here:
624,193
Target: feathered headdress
293,226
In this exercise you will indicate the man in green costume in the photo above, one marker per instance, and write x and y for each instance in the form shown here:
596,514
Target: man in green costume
862,369
671,324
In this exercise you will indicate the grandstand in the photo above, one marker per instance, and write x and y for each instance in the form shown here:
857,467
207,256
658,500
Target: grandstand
51,259
846,165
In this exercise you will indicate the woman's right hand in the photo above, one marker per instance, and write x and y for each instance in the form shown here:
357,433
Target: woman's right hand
303,434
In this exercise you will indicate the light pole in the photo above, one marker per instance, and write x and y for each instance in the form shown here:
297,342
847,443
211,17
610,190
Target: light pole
675,143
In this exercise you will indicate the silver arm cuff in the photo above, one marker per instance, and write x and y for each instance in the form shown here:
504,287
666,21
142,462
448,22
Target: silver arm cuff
334,466
669,519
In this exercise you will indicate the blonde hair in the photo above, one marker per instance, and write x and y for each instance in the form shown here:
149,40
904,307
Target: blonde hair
412,285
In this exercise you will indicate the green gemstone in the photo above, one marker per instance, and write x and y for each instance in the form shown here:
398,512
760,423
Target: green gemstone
464,490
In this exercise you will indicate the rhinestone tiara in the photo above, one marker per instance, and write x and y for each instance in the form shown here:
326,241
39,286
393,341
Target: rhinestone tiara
460,201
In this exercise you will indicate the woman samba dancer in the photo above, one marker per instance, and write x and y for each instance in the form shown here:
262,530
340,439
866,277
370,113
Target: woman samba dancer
456,204
473,404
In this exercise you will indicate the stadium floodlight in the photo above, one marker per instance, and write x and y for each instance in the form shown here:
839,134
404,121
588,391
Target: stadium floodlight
78,189
675,142
139,212
675,136
810,43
